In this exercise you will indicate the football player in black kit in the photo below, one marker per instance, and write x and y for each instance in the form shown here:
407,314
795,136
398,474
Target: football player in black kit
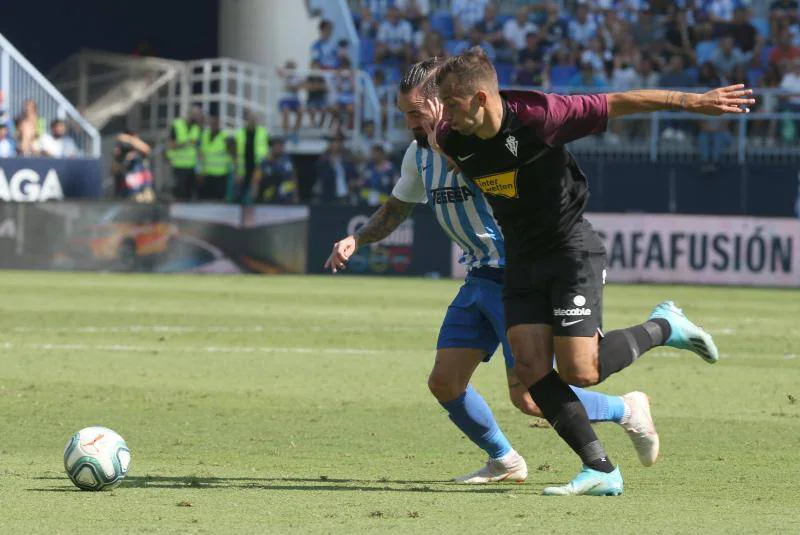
511,145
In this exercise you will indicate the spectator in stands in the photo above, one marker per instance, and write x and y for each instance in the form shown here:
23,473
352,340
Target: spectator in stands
562,68
394,39
675,74
646,76
726,57
720,12
130,167
648,33
57,144
598,57
218,161
492,30
623,76
423,30
344,84
317,101
791,84
587,77
476,39
516,30
336,175
627,52
414,11
343,52
277,181
366,24
8,149
781,14
529,73
742,30
680,37
535,49
612,28
583,27
432,46
714,135
29,126
768,103
323,50
289,102
182,149
784,52
552,25
252,147
378,8
466,14
377,178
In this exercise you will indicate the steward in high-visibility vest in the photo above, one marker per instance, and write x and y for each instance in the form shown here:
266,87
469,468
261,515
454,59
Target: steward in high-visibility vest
182,154
252,147
217,160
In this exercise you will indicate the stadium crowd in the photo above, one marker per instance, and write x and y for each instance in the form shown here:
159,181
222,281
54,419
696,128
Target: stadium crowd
601,45
27,134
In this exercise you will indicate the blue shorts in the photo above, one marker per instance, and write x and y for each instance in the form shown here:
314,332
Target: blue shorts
475,319
289,104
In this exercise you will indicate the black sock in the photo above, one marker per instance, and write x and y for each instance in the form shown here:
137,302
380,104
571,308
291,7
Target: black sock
618,349
562,408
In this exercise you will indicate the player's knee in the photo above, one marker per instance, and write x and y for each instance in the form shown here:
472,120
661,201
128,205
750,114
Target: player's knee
442,388
584,377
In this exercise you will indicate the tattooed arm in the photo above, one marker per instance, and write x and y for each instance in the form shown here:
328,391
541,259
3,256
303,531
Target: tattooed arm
731,99
382,223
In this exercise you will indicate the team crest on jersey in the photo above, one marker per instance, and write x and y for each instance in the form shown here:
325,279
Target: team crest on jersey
512,144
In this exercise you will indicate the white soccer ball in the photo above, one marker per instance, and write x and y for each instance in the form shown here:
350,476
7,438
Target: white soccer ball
96,458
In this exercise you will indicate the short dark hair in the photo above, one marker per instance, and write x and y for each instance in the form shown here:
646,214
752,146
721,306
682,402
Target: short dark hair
324,24
421,75
472,68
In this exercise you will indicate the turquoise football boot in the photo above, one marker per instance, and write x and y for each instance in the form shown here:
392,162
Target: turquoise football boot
590,482
685,334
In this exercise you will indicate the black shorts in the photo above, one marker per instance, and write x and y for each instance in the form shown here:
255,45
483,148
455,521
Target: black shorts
563,289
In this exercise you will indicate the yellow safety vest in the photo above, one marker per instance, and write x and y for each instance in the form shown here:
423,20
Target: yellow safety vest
261,147
216,160
185,157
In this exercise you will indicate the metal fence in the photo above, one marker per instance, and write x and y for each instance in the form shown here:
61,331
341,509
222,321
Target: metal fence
20,82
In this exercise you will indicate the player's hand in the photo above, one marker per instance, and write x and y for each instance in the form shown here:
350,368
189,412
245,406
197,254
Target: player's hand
434,108
342,251
731,99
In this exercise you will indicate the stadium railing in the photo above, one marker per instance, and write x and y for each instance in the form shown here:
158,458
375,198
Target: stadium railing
645,137
21,81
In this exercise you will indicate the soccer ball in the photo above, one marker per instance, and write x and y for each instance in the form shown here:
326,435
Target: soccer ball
96,458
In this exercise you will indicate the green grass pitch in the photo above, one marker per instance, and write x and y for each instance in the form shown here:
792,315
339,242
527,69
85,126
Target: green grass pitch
299,404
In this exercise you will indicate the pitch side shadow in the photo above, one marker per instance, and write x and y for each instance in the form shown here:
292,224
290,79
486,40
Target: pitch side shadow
321,483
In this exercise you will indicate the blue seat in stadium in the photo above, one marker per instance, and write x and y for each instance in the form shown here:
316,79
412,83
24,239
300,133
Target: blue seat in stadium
693,73
442,22
761,25
754,76
451,47
505,72
367,51
705,50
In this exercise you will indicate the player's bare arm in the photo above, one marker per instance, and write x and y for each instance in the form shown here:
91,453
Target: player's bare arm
382,223
730,99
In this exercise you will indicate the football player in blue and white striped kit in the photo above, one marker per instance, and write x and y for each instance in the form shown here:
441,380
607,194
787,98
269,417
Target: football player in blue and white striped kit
474,325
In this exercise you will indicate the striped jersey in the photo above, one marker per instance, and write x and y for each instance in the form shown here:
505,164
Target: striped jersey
460,207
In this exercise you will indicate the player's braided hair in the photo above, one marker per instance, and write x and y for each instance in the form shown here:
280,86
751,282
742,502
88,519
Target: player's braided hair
473,69
421,75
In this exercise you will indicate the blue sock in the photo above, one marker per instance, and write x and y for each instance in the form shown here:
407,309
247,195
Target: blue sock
473,416
601,407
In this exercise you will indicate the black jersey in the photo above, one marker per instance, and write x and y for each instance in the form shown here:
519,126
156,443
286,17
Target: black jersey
536,189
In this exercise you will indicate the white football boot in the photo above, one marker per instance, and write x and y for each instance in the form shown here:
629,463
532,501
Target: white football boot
638,424
511,467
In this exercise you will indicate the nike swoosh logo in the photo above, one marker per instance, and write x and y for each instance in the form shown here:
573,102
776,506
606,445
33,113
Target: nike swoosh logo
565,323
465,158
